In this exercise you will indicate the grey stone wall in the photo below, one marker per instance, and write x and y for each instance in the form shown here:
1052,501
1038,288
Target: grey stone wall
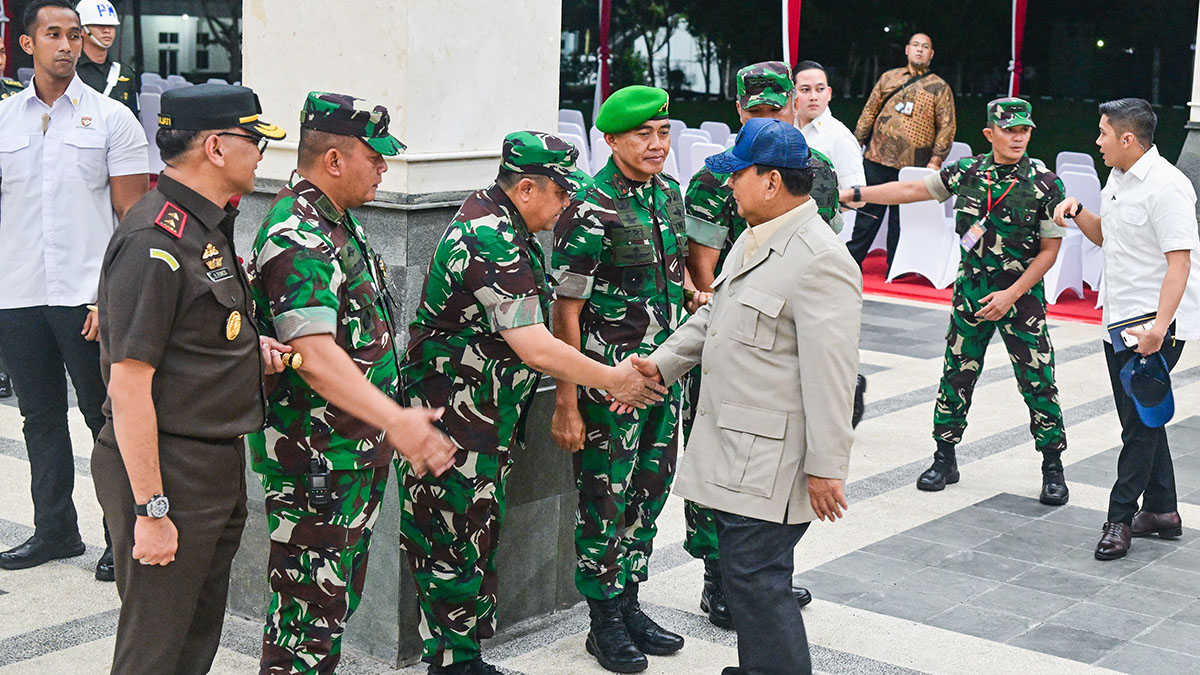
536,556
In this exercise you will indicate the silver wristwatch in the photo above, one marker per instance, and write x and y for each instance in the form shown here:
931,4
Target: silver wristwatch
157,507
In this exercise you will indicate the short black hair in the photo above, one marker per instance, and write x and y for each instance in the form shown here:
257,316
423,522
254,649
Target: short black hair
507,179
809,65
30,16
1133,115
798,182
174,142
315,143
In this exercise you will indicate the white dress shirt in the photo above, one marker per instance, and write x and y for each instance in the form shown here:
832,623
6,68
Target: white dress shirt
1144,213
56,214
831,138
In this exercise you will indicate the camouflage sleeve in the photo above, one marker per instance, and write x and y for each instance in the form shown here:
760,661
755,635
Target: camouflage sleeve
945,122
298,273
1053,193
491,266
705,204
578,243
825,190
943,184
866,121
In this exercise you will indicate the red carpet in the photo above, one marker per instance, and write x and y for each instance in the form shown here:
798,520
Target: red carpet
915,287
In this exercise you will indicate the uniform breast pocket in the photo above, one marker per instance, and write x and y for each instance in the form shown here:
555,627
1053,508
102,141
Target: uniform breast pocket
751,449
15,159
1134,215
756,318
360,319
84,156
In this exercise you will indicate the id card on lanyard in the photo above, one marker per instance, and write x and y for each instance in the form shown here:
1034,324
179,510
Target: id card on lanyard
977,230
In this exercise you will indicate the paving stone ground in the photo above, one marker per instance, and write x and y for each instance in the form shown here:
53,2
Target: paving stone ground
980,578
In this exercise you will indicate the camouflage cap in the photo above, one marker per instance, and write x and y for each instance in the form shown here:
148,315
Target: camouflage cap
541,154
766,83
1010,112
348,116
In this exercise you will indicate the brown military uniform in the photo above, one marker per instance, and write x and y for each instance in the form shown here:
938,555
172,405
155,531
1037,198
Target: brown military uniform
173,295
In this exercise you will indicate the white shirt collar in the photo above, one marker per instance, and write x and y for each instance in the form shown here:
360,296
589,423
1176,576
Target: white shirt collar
74,92
1141,167
818,121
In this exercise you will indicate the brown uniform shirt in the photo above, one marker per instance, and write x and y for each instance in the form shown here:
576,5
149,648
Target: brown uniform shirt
173,295
912,127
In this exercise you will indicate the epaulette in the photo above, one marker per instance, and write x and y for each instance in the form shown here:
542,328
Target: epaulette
13,83
172,219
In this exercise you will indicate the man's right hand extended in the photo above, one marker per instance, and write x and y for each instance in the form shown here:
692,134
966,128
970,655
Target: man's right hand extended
567,429
155,540
423,445
634,385
1064,207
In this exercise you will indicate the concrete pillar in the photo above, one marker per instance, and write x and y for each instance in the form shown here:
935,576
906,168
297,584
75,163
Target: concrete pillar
456,75
1189,156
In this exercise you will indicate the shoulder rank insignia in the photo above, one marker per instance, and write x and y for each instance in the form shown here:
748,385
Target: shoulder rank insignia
171,219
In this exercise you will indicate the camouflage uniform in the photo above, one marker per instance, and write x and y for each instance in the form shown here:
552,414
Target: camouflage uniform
622,248
487,275
314,273
713,221
9,87
1015,228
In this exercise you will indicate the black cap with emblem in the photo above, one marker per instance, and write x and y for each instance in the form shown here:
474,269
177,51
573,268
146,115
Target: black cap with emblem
204,107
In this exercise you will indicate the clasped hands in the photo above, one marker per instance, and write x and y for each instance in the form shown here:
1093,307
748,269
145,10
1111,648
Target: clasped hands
636,384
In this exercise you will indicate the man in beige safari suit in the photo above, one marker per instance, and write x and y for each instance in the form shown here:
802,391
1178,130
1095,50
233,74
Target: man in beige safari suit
768,453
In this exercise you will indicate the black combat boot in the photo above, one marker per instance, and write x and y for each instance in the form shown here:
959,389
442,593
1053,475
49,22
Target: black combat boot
650,637
944,470
609,641
712,598
1054,484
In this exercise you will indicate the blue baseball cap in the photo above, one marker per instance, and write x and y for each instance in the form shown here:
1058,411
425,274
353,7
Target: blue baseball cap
1147,381
765,141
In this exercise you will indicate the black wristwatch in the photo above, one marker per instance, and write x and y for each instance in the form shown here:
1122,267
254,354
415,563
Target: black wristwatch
1078,210
157,507
857,192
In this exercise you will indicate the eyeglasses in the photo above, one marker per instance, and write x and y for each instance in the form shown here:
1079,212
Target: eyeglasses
919,45
259,141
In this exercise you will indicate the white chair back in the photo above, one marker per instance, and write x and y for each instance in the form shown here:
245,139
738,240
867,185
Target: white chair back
572,116
24,75
584,163
1083,186
152,88
682,146
671,168
150,104
701,152
600,154
1070,165
571,128
715,130
677,128
958,150
1066,274
217,80
928,245
1069,157
596,137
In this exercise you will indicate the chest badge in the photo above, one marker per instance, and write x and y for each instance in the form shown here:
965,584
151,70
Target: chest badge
233,325
214,263
85,121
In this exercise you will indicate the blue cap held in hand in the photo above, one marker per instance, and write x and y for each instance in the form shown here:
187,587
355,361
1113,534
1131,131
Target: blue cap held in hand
1147,381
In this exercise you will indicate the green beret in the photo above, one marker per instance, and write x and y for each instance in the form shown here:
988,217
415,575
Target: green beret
631,107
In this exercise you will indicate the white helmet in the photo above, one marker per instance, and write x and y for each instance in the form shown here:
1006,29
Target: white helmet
97,13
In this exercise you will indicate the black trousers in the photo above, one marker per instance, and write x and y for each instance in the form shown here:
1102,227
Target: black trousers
1144,468
756,569
171,615
866,227
38,343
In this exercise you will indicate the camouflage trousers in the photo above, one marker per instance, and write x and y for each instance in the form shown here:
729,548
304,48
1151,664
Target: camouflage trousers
700,535
450,529
1027,340
623,474
317,566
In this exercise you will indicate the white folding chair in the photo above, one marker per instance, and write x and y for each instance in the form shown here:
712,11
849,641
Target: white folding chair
677,127
682,146
671,168
847,225
1067,272
600,154
217,80
1070,166
24,75
571,128
1086,188
584,163
1077,158
928,245
596,137
1100,291
572,116
152,88
150,104
729,141
715,129
958,150
701,152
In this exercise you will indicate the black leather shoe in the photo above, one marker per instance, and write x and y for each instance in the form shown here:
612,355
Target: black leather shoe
650,637
712,598
36,551
609,641
104,567
1114,543
1165,525
732,670
802,596
859,389
5,386
1054,488
943,472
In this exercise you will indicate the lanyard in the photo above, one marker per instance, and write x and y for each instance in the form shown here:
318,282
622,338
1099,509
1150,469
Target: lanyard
1001,198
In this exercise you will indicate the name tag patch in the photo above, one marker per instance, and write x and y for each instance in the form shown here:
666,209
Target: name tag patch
219,275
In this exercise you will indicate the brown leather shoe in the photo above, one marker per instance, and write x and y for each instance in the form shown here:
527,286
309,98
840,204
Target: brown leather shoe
1115,541
1165,525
